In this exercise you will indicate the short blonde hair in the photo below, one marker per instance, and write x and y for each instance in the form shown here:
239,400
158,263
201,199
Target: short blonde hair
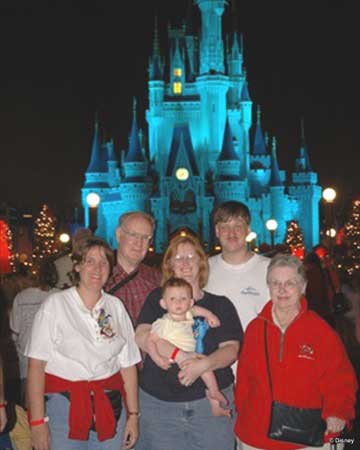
167,270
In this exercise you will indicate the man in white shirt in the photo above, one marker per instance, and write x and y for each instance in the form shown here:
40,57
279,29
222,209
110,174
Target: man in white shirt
236,272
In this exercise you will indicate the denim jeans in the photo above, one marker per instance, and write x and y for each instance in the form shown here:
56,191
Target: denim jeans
5,442
183,425
57,408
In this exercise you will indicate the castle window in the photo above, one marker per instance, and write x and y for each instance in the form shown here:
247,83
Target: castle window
177,87
177,72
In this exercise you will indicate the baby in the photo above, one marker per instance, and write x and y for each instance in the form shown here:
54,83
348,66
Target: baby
176,326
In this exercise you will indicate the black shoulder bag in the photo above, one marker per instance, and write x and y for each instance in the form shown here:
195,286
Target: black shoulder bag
290,424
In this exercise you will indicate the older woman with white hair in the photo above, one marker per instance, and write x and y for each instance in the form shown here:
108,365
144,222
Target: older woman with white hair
295,385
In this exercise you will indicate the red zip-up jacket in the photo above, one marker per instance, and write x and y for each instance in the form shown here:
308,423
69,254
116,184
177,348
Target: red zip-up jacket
309,369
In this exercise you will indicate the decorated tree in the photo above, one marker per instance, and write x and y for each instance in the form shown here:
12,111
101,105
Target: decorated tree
352,239
44,237
294,239
6,258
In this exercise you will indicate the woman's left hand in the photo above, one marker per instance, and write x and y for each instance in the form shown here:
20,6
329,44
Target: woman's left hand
131,432
3,418
192,369
334,425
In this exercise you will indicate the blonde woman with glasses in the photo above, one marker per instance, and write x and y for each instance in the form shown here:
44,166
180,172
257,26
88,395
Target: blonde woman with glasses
175,412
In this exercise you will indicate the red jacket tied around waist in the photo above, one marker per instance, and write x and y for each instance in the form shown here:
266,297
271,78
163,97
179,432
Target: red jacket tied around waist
81,411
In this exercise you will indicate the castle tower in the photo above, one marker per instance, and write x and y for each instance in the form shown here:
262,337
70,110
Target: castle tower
307,194
277,198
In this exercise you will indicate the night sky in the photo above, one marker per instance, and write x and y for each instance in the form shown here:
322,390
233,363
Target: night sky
63,60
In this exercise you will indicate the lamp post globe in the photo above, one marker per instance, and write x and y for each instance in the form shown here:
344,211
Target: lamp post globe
93,199
64,238
329,194
272,225
251,236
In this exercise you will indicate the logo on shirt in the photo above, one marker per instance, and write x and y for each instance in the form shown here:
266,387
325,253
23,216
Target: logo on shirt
306,352
250,291
105,324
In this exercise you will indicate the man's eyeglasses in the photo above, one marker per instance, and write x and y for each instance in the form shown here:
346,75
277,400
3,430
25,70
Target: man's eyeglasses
133,235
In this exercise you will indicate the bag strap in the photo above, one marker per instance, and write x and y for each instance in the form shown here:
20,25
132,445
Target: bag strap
267,357
123,282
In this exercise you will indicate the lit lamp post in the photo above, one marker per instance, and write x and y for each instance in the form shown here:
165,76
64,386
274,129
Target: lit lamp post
93,200
272,225
250,239
64,238
329,195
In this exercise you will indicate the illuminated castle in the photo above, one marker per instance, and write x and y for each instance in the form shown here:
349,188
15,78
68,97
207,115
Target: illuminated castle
200,118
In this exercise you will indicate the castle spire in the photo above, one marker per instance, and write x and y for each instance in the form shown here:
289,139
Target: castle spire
156,44
245,96
95,160
259,141
228,152
156,66
275,179
134,153
303,161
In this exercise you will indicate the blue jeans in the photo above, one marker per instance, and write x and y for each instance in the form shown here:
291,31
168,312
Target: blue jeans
183,425
57,408
5,442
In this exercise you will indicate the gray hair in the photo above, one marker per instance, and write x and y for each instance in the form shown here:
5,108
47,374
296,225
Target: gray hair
286,260
124,217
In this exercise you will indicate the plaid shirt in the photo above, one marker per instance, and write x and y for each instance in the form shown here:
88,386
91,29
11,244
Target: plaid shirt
134,293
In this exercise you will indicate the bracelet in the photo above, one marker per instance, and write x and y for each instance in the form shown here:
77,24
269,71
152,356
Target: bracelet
133,413
35,423
174,354
3,405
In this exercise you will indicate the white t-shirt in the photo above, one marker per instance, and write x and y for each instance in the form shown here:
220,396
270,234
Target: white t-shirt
25,306
79,344
244,284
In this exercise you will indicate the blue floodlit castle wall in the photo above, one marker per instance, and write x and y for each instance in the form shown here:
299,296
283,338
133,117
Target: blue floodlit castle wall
200,118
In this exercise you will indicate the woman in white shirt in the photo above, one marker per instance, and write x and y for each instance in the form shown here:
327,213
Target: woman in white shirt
82,356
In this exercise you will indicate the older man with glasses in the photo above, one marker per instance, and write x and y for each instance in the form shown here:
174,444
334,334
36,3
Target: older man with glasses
131,280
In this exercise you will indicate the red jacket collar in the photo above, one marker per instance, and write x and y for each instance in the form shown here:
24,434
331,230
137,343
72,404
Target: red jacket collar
266,312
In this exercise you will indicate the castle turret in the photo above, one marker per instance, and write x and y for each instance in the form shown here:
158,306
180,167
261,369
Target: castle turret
154,114
228,185
307,194
259,140
211,43
156,63
212,84
177,70
96,176
278,199
136,186
135,166
113,171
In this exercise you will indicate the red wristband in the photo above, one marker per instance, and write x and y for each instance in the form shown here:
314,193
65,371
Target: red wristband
174,354
3,405
35,423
